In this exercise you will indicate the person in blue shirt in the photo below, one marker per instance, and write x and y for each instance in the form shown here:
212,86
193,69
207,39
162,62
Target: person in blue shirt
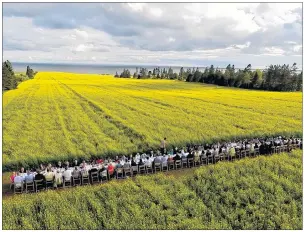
29,177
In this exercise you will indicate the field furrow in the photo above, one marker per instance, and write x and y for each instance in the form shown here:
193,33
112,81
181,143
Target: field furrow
59,116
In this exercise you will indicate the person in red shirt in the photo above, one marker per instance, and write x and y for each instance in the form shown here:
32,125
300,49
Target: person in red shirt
99,161
111,170
12,177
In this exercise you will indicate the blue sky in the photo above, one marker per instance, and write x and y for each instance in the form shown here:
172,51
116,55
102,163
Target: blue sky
186,34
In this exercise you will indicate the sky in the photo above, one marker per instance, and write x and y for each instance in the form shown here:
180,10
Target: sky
181,34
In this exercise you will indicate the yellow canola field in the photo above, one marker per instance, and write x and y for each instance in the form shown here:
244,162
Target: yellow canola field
63,115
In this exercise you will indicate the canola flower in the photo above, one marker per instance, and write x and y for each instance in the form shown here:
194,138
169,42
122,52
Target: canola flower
58,116
252,193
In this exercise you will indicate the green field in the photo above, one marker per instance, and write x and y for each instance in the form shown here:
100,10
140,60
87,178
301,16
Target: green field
259,193
58,116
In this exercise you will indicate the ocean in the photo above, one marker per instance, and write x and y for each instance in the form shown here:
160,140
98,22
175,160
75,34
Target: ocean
86,68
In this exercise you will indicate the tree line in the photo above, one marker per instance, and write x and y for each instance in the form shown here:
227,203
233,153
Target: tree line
10,80
273,78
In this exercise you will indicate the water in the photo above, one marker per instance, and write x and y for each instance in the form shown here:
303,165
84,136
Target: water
86,68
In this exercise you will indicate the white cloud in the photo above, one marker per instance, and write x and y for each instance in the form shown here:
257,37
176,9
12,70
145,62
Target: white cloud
154,33
156,12
171,39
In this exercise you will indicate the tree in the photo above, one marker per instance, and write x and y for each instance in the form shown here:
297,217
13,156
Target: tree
189,78
227,75
299,81
170,73
9,80
125,74
116,75
29,72
196,75
181,74
246,79
257,79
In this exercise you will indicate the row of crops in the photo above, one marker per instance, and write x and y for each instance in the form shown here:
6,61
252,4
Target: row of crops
259,193
58,116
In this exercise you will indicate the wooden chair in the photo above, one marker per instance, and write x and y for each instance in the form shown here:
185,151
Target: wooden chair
164,167
104,175
238,154
184,162
190,162
197,161
247,153
127,172
171,164
85,180
216,158
94,177
233,157
222,156
49,183
210,159
178,164
18,188
142,169
119,173
243,154
67,183
276,150
39,185
134,170
29,186
204,160
256,152
76,180
284,148
157,167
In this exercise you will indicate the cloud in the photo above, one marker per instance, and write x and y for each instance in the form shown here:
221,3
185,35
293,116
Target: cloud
153,32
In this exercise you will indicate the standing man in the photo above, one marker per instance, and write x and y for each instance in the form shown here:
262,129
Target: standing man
163,146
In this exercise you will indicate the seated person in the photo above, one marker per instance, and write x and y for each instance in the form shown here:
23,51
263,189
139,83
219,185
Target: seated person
59,165
111,170
196,156
141,162
29,177
118,164
39,177
208,153
75,163
133,163
164,160
76,173
67,174
12,177
126,165
22,170
191,154
177,157
58,178
49,176
18,180
66,164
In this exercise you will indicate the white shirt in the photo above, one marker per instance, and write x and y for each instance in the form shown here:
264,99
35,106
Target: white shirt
18,179
67,174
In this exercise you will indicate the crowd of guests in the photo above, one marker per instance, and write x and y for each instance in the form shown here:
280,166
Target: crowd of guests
65,171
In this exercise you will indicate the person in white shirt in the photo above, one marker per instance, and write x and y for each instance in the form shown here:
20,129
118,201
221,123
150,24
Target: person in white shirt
148,162
18,180
164,159
58,178
67,174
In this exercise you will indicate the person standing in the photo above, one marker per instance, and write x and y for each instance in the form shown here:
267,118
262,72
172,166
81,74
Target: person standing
163,146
